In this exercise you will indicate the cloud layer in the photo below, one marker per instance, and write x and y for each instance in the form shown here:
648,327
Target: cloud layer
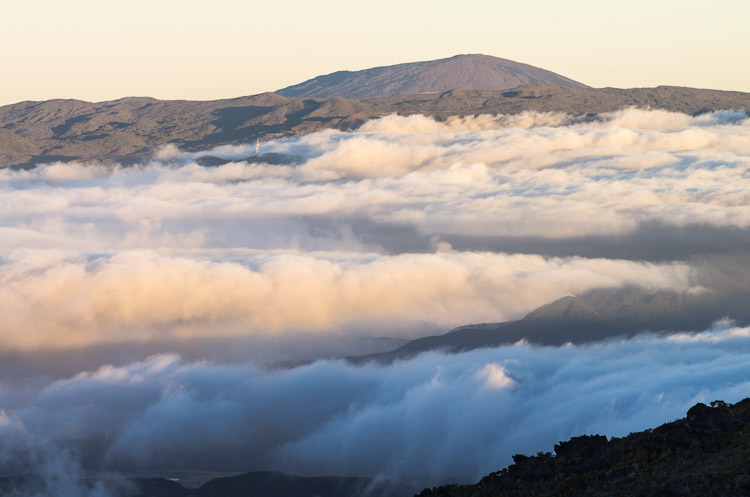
171,249
405,227
137,296
468,177
411,419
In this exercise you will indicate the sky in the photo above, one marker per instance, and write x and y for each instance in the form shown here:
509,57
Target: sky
196,50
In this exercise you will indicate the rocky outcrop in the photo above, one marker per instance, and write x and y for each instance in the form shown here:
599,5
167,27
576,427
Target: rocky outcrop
704,454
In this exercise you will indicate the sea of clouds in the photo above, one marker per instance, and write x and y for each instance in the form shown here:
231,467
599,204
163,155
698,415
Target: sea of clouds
436,417
144,303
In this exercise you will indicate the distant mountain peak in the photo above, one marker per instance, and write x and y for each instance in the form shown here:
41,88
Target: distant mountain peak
460,72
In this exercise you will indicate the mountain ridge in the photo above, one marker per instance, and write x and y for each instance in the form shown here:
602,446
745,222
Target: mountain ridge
266,483
596,315
133,129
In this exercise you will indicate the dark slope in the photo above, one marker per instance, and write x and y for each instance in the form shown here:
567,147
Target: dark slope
705,454
593,316
258,483
132,129
569,319
461,72
270,484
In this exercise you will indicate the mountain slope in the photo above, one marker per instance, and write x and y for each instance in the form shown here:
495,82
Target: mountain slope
461,72
569,319
595,315
265,483
131,129
705,454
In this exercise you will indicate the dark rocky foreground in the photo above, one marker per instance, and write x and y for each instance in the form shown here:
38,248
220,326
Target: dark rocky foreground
132,129
705,454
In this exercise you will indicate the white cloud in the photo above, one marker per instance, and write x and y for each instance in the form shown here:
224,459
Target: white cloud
483,176
409,419
170,252
140,296
494,376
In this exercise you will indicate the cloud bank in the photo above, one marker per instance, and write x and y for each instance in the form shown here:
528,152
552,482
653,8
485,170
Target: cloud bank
137,296
170,249
413,418
603,177
405,227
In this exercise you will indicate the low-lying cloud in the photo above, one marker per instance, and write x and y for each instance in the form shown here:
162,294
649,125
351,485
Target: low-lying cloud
406,227
145,296
597,177
435,417
170,249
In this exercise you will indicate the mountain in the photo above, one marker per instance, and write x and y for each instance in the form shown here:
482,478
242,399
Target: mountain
133,129
705,454
593,316
260,483
569,319
461,72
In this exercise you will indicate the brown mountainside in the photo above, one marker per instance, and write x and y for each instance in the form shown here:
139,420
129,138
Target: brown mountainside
130,129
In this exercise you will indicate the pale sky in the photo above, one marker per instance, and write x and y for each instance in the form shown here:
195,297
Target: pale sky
190,49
